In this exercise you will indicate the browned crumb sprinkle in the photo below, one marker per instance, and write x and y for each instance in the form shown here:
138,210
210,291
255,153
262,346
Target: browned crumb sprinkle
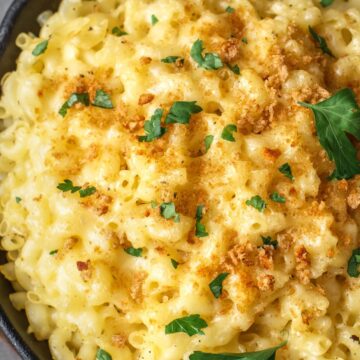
302,264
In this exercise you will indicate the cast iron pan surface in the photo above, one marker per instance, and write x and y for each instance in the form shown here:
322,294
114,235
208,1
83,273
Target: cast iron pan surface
21,17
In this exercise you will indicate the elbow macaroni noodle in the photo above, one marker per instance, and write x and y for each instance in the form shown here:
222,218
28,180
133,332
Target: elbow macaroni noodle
299,292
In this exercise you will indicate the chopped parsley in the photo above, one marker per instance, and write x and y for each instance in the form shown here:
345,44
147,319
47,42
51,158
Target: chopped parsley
153,127
190,325
230,10
268,354
18,200
244,40
200,230
275,196
174,263
353,264
134,252
181,112
335,118
211,61
208,142
103,355
321,41
216,286
75,98
87,192
172,59
267,240
326,3
257,202
235,69
154,20
103,100
168,211
227,132
68,186
118,32
285,169
53,252
40,48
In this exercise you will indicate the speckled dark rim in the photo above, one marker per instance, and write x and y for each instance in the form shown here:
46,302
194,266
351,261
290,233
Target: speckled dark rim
5,325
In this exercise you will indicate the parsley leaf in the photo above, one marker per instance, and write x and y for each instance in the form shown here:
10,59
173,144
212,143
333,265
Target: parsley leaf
174,263
118,32
335,118
353,264
230,10
321,41
285,169
134,252
326,3
211,61
53,252
268,354
103,355
167,211
216,286
275,196
87,192
103,100
200,230
190,325
227,132
244,40
75,98
172,59
18,200
154,20
235,69
40,48
153,127
267,240
181,112
68,185
257,202
208,142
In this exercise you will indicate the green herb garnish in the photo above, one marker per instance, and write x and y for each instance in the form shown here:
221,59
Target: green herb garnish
267,240
68,185
168,211
174,263
40,48
230,10
18,200
200,230
153,127
275,196
321,41
53,252
335,118
87,192
227,132
244,40
154,20
172,59
75,98
103,355
257,202
268,354
211,61
235,69
118,32
134,252
353,264
190,325
326,3
103,100
181,112
285,169
216,286
208,142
